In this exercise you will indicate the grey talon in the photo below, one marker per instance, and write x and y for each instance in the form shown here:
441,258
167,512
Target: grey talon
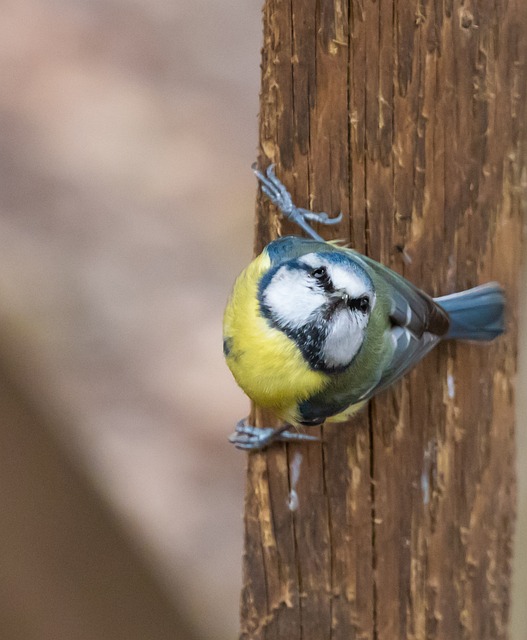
281,198
252,438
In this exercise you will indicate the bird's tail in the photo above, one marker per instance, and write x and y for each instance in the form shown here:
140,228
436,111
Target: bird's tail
475,314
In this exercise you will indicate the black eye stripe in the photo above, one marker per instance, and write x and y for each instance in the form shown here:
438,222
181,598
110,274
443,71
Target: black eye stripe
322,278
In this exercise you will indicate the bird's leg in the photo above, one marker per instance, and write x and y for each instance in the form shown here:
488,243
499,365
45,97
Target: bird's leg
280,196
255,438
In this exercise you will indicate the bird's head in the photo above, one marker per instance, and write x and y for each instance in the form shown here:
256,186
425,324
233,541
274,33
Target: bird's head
323,302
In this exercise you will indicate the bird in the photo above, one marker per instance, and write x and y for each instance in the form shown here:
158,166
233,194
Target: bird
312,330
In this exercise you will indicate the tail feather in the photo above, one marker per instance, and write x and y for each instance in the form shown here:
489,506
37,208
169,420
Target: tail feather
475,314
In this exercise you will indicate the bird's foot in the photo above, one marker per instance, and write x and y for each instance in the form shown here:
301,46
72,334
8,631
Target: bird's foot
252,438
280,196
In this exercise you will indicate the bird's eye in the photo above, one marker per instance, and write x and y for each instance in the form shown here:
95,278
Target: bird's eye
320,273
359,304
364,304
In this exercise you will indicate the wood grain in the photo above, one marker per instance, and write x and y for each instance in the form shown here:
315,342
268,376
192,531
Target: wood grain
408,117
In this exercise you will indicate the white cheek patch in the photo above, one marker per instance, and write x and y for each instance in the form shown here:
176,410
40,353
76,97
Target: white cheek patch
291,298
344,339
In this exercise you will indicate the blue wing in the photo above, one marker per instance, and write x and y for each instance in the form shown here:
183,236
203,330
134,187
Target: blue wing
417,324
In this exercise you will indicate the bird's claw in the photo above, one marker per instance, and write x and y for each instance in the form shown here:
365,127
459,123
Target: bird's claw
321,218
274,189
249,438
280,196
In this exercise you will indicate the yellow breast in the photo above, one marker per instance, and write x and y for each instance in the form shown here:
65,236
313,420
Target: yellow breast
266,364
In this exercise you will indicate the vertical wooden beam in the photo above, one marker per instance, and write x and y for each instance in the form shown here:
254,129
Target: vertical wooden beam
410,116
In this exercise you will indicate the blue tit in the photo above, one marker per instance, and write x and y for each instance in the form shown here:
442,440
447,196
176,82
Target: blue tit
313,330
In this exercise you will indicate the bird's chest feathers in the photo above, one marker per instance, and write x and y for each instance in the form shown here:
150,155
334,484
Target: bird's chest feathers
275,373
266,363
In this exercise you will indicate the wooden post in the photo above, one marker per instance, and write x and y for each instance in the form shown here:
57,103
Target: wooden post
409,117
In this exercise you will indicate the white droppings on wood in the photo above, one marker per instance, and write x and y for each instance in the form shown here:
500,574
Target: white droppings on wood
451,386
425,475
292,502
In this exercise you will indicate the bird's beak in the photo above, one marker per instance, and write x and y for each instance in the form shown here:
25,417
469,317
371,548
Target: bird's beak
340,295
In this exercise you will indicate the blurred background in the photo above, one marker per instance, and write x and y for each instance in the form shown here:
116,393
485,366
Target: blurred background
126,211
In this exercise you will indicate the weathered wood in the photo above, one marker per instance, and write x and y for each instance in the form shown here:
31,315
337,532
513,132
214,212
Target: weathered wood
409,116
